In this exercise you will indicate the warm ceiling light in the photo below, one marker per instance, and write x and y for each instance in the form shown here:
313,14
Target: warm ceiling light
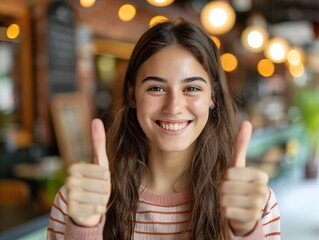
229,62
218,17
265,68
216,41
253,38
297,71
157,19
276,50
295,56
13,31
160,3
127,12
87,3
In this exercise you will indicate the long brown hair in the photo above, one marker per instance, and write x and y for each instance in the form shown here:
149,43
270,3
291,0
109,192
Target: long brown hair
128,150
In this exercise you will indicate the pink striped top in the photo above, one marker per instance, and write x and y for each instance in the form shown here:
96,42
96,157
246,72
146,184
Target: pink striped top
159,216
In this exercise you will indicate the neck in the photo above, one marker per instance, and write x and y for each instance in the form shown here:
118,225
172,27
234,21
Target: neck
168,171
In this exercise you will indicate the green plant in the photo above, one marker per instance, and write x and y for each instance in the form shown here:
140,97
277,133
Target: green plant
5,120
53,184
308,103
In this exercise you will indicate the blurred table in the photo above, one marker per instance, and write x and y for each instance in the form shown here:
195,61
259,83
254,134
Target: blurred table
45,168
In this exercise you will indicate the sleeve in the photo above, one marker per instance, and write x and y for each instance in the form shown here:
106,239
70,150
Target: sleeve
271,218
62,227
268,227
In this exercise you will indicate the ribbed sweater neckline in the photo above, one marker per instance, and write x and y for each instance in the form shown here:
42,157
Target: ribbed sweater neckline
168,200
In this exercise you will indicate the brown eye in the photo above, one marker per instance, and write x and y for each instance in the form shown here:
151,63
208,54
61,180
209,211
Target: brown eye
192,89
156,89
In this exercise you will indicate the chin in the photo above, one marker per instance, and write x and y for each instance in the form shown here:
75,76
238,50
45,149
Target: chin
176,148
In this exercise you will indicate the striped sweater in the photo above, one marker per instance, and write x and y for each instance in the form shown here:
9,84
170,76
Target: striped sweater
158,217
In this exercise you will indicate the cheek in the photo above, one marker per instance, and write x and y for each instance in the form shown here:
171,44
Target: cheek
143,106
200,106
144,110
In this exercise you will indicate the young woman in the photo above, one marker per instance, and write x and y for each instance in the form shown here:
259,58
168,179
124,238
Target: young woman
175,162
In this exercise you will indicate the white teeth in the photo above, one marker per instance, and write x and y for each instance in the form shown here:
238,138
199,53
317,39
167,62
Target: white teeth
173,127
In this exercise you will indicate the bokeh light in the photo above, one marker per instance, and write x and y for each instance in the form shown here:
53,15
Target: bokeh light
254,38
218,17
297,70
276,50
216,41
157,19
160,3
229,62
265,67
13,31
295,56
127,12
87,3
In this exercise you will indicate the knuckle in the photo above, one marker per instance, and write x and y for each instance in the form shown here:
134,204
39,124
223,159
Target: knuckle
99,209
255,215
73,168
105,199
230,172
255,202
70,181
252,215
71,194
264,190
259,189
72,208
262,176
223,187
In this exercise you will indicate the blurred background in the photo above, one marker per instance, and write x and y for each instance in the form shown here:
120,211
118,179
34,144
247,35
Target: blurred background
62,64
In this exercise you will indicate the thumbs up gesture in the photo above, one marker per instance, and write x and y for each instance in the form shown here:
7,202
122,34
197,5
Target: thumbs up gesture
89,185
244,190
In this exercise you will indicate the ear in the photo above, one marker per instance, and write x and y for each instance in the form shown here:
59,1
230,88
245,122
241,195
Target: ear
130,97
212,104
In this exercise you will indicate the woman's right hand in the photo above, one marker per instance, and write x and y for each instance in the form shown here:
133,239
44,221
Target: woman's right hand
89,185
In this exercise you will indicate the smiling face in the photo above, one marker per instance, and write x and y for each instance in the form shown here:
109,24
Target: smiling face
173,96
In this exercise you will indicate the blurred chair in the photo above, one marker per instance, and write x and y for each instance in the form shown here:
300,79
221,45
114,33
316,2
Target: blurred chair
14,192
16,204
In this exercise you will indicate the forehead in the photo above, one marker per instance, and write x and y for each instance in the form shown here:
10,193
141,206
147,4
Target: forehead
174,61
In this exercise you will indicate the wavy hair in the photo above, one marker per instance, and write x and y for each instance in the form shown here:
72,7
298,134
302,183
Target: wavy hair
128,150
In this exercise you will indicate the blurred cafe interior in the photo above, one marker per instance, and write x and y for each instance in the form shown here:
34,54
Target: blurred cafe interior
62,64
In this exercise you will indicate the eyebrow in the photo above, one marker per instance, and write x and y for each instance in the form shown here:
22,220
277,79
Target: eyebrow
163,80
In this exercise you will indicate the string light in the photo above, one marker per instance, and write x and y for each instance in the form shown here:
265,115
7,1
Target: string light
160,3
229,62
127,12
254,38
218,17
157,19
297,70
87,3
13,31
265,67
295,56
276,50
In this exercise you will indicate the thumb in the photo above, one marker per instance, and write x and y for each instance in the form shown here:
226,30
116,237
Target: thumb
98,143
241,145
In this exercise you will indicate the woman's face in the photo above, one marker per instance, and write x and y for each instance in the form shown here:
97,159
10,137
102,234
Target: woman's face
173,96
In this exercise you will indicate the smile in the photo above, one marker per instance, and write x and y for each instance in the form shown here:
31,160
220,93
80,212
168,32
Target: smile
172,126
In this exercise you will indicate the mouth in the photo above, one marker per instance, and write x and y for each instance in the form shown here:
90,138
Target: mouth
172,126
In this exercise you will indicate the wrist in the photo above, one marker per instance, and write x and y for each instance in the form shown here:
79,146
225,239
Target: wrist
91,221
242,229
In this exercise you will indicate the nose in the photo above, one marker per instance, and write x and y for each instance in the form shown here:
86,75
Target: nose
174,103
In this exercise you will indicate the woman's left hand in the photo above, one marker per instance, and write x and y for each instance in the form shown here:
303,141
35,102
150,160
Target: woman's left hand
244,191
